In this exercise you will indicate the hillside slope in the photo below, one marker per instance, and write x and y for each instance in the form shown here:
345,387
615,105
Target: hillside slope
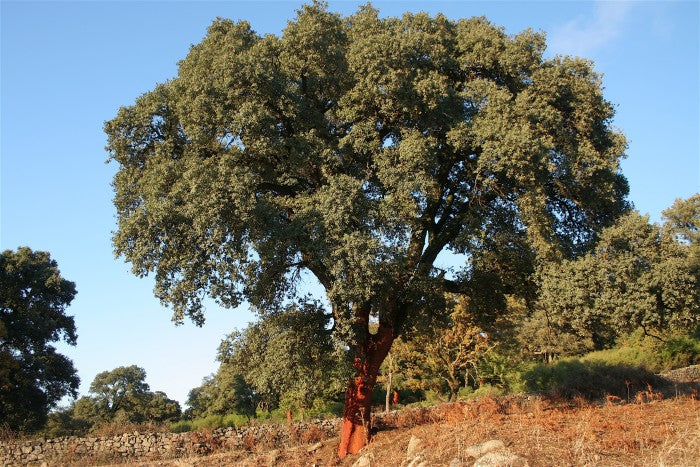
644,432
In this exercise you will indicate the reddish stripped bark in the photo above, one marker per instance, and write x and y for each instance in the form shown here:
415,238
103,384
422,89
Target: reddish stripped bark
356,426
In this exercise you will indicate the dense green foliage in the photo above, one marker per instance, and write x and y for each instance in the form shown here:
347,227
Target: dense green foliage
677,351
358,149
33,300
287,359
122,396
466,353
63,422
637,276
634,294
683,219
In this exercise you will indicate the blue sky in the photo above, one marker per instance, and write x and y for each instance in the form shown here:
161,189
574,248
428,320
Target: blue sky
66,67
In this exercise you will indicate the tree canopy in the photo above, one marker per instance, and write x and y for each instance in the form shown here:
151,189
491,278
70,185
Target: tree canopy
638,276
358,149
444,354
288,359
33,301
683,221
123,395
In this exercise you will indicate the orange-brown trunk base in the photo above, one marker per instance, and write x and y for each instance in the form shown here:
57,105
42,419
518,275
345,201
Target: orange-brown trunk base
353,438
357,417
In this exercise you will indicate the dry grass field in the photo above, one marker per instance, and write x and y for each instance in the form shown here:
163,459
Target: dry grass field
648,431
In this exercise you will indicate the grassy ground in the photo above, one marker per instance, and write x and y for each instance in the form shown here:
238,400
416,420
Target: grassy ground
644,432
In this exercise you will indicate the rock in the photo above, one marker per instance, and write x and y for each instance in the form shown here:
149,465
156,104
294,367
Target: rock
684,375
417,462
364,461
314,447
501,459
455,463
479,450
272,457
415,446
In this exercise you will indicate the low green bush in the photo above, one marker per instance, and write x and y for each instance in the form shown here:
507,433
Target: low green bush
278,415
591,379
488,390
681,352
651,354
181,426
211,422
435,397
647,358
325,409
465,392
234,420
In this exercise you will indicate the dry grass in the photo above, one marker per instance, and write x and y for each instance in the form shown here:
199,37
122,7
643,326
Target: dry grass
616,433
308,435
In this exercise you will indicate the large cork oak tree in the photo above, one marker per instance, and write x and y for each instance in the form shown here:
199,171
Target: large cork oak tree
358,149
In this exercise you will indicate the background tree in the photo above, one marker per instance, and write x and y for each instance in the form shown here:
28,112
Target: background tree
33,301
122,395
289,358
224,393
638,276
63,422
199,399
445,354
358,149
386,376
683,220
541,338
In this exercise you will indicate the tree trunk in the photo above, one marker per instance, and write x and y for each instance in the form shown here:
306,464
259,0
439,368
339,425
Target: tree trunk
357,420
452,382
387,403
389,377
454,392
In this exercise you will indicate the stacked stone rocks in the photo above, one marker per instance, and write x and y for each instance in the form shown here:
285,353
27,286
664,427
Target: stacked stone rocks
137,445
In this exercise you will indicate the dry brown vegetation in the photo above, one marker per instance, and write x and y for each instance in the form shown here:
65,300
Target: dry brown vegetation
648,431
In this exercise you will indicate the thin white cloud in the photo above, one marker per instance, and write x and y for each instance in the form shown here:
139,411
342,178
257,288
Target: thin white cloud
583,36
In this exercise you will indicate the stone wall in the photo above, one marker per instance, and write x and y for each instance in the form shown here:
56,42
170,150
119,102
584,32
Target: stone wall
159,445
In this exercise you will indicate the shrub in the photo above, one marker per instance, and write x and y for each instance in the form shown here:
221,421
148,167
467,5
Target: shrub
278,415
488,390
234,420
680,352
631,355
590,379
208,423
651,354
62,422
435,397
465,392
181,426
325,409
